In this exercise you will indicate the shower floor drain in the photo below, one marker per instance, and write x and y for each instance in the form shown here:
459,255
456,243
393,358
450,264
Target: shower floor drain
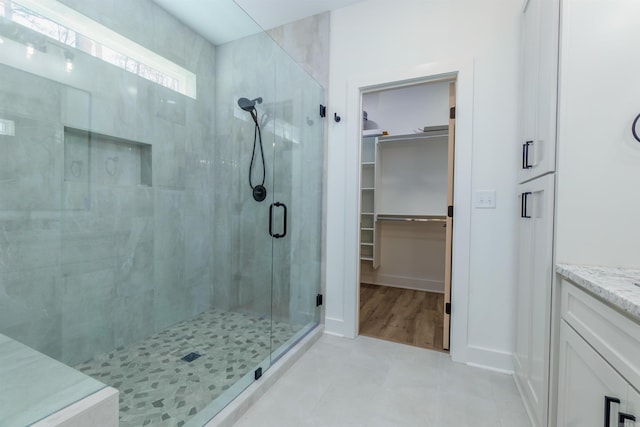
191,357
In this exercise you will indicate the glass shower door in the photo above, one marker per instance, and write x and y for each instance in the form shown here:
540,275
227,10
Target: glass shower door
298,167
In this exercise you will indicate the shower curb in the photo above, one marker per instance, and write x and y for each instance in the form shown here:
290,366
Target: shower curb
241,404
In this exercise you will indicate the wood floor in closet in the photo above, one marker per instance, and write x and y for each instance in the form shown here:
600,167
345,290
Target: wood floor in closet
402,315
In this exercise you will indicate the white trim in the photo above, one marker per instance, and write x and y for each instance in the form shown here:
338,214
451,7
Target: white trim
333,326
463,71
490,368
401,282
491,359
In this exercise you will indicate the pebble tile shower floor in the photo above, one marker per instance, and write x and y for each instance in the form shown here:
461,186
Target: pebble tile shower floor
158,388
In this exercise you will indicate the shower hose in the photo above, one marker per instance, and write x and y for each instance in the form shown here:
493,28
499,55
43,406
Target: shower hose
257,138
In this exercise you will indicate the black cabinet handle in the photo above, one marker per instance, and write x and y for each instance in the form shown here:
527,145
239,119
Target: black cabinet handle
607,408
523,205
525,155
622,417
277,205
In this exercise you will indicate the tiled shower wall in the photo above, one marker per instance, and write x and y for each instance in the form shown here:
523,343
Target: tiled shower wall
91,257
94,257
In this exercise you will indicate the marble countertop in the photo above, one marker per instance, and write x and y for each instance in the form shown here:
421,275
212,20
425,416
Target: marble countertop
618,286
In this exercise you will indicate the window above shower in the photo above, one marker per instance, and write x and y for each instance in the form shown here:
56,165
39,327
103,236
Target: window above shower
39,23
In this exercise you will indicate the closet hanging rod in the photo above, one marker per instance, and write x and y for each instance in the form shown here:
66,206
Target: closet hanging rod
409,219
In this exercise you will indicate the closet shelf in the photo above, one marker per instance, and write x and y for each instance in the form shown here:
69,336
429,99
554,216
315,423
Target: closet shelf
413,218
429,133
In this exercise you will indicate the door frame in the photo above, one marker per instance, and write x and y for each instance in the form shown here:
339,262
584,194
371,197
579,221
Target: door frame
462,71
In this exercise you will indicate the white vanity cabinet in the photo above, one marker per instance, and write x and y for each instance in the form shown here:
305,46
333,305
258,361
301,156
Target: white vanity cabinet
599,363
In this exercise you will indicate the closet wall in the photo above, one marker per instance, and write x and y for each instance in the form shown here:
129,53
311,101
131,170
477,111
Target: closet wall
410,182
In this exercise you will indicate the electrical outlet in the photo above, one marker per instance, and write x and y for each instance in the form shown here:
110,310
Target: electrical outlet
486,199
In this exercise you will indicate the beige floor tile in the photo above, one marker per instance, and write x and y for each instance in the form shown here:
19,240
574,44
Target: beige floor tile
368,382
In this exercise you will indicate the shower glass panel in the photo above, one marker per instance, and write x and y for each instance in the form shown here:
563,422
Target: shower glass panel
131,248
297,185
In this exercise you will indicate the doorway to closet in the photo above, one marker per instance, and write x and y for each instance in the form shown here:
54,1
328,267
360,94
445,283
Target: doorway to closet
406,213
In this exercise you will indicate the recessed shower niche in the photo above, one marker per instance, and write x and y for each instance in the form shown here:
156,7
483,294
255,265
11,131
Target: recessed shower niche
94,159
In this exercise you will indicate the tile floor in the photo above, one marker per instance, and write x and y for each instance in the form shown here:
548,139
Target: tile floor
159,389
374,383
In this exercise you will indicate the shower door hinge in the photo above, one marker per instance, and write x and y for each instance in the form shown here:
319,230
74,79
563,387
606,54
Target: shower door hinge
452,112
318,300
257,373
447,308
450,211
323,111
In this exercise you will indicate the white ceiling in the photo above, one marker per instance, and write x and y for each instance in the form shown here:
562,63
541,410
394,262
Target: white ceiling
221,21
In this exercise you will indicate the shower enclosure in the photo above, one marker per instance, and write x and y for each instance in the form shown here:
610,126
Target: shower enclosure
131,247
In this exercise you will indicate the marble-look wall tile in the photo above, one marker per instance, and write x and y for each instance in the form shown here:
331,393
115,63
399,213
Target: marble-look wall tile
125,255
88,315
76,108
29,241
169,157
172,299
31,307
123,17
95,259
259,267
28,165
134,317
169,224
240,220
307,42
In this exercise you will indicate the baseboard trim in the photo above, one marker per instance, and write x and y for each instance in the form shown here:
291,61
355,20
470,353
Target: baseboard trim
333,326
490,359
426,285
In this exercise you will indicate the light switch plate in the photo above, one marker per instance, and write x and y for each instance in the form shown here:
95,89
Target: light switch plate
486,199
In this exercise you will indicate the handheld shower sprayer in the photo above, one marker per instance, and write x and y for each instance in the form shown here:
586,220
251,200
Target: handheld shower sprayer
259,191
249,105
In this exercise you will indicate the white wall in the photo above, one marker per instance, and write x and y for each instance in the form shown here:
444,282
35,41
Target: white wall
378,36
407,109
598,159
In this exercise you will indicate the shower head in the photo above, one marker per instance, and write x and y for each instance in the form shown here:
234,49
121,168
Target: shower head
249,105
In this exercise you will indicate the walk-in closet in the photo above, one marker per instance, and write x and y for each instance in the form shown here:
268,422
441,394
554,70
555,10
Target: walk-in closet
406,213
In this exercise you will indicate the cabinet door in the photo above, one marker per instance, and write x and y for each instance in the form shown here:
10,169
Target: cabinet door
528,84
533,321
585,379
538,88
543,155
632,405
